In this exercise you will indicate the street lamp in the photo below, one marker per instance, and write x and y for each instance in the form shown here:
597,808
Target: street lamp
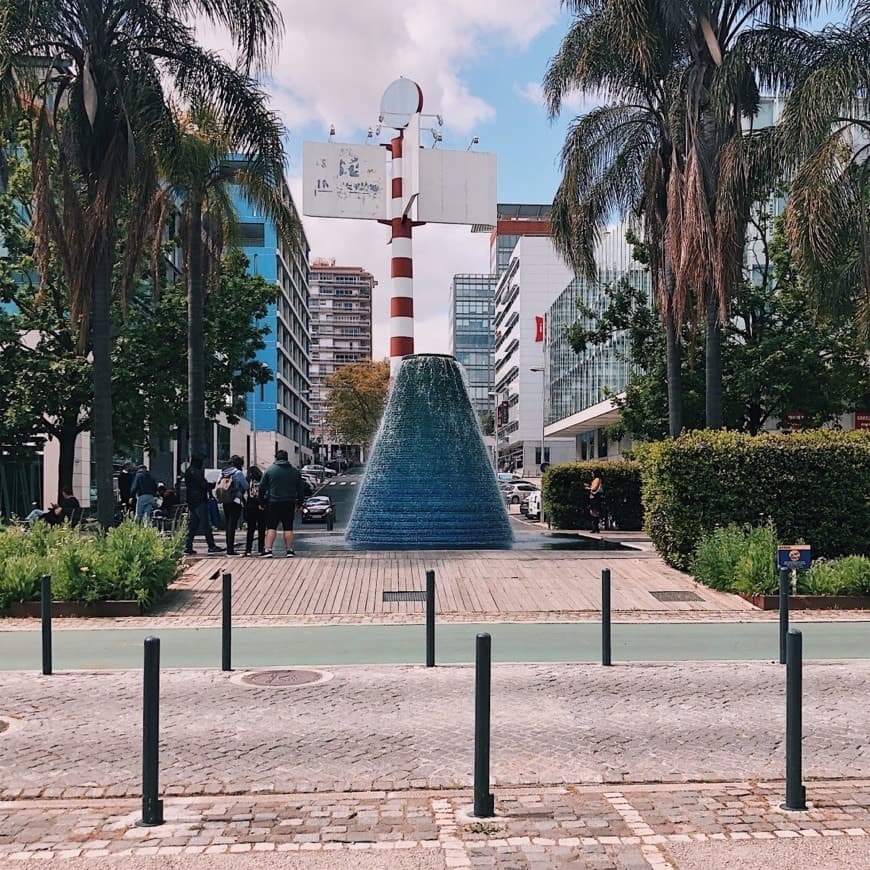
543,418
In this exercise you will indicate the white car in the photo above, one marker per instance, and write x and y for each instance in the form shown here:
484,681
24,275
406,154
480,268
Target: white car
533,506
514,493
318,471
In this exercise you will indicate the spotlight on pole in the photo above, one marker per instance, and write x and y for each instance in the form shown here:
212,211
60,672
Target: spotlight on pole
473,142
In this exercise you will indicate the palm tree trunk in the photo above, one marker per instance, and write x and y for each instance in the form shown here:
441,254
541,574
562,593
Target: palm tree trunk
102,374
675,377
713,368
195,333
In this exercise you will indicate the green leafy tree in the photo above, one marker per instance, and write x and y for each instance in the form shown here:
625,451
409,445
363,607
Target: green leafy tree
101,101
151,381
355,401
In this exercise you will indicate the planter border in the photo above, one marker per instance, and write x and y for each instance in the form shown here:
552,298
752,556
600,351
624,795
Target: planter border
810,602
64,609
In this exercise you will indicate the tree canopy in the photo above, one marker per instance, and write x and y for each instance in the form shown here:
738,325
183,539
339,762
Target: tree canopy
355,401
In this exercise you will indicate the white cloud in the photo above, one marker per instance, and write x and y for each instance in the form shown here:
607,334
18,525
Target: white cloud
337,56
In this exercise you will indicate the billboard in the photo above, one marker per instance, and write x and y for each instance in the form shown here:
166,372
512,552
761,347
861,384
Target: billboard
456,187
344,180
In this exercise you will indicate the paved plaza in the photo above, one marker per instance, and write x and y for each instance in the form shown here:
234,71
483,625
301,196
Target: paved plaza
592,767
671,764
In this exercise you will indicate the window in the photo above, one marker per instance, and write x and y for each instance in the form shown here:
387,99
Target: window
252,235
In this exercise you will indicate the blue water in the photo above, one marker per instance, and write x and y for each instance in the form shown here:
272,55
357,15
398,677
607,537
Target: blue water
429,482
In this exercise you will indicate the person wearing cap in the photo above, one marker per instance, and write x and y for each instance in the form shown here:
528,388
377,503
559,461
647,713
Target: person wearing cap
282,491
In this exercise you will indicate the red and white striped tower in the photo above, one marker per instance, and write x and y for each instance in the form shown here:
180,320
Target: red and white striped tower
401,266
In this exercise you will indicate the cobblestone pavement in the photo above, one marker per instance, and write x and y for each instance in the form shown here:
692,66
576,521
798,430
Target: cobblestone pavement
574,826
77,734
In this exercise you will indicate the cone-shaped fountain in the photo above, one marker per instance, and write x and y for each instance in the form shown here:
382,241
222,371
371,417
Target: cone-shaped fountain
429,482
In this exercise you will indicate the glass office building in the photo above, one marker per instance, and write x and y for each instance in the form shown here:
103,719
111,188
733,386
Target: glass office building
472,308
580,384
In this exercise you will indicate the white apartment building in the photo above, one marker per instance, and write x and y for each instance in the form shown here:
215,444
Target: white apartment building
341,333
533,279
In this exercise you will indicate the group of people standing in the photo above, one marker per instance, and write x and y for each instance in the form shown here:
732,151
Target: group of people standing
266,500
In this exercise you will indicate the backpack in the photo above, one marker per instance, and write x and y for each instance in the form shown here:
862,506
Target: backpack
224,492
253,490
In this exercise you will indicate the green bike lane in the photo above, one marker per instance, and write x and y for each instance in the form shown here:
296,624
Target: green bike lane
273,646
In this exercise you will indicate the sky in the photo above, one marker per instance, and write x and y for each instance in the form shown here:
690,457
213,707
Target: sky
479,64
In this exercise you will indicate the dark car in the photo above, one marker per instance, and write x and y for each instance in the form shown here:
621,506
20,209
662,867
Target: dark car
318,509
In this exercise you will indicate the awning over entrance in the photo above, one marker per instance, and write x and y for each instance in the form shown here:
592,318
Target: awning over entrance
594,417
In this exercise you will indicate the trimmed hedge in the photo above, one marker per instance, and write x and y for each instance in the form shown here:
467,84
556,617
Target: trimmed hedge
813,486
566,500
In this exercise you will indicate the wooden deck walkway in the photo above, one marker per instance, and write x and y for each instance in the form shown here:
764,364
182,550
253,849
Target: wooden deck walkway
527,583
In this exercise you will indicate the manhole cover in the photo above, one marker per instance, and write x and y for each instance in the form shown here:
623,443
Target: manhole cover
280,679
676,595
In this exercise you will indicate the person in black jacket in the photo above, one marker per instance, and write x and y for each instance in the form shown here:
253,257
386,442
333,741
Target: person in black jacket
198,489
255,513
144,490
125,482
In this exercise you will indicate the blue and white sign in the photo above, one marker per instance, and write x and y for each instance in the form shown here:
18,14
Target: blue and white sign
794,556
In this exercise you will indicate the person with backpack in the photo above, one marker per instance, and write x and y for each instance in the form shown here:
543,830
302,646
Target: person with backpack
283,491
230,492
255,513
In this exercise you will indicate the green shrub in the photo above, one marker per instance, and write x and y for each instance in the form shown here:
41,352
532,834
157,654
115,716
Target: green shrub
735,559
848,576
130,562
717,555
813,486
566,500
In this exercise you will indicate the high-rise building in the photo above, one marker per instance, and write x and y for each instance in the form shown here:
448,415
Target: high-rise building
341,333
278,412
535,276
472,309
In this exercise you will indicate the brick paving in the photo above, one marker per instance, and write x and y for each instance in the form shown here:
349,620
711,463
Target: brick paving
570,826
77,735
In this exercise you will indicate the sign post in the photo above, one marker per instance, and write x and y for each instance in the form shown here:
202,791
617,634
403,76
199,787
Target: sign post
402,187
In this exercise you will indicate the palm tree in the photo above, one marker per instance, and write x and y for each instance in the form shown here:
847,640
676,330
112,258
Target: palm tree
705,228
617,159
819,151
97,74
202,167
707,231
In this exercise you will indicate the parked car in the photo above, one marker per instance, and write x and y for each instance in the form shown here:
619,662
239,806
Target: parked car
318,509
531,506
507,477
515,492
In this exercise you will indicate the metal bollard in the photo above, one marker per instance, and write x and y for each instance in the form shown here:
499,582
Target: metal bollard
484,802
795,793
430,619
783,613
227,621
605,618
45,608
152,806
330,522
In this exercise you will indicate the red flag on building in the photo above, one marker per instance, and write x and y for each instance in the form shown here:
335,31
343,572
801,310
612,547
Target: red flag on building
539,329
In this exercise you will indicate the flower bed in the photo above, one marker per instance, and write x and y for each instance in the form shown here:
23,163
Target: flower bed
130,563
